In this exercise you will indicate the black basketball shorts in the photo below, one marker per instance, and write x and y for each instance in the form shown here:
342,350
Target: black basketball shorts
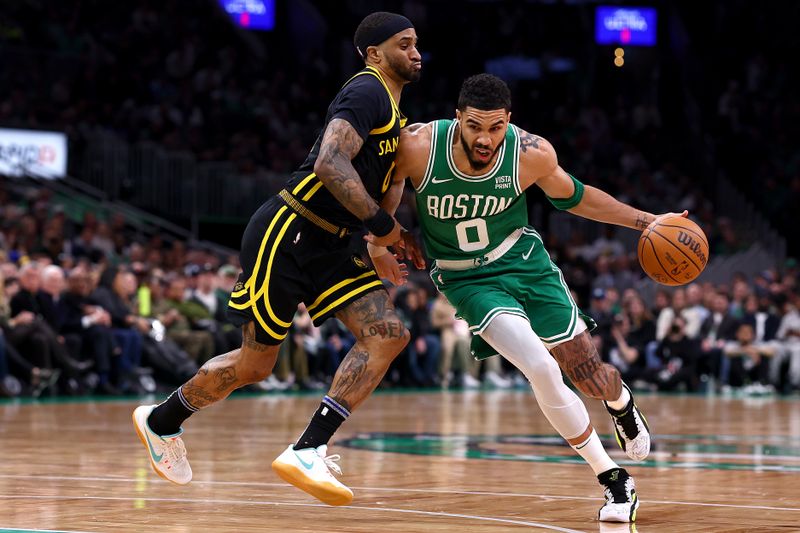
287,260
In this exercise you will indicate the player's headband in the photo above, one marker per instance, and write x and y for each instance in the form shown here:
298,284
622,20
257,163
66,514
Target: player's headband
393,24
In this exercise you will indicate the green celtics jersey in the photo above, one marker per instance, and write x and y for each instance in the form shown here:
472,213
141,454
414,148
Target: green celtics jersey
462,216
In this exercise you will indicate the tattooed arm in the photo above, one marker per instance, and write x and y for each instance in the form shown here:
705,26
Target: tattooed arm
334,167
539,165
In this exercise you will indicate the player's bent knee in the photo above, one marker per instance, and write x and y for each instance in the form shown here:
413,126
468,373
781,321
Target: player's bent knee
248,365
388,337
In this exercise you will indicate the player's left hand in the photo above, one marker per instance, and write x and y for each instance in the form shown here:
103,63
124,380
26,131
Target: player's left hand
388,267
409,248
406,247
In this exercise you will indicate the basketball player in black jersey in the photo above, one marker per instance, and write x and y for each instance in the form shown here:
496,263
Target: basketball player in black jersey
298,248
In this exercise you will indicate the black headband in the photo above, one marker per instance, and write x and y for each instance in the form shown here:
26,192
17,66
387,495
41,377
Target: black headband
393,24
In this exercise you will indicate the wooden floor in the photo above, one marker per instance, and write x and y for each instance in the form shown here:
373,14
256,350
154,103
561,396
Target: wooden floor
417,462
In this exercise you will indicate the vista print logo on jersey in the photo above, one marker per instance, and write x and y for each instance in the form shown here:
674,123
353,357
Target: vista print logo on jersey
503,182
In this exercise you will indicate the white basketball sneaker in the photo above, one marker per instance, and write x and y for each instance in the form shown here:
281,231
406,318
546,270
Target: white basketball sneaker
631,429
620,492
167,453
309,470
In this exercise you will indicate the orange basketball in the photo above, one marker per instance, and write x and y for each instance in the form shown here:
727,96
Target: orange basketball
673,250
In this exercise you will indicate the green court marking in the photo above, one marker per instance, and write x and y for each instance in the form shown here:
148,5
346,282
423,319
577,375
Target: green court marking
710,452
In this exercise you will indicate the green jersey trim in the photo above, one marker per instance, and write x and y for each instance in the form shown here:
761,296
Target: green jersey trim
491,315
515,175
574,315
452,164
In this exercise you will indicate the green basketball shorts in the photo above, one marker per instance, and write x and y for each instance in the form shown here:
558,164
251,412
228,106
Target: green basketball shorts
524,282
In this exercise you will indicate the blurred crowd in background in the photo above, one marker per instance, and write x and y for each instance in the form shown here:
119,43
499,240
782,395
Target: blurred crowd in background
89,305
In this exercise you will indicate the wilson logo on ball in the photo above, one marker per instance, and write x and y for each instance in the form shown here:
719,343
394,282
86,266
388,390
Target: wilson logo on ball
693,245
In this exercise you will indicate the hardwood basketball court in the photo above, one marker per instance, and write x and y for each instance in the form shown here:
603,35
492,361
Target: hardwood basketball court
417,462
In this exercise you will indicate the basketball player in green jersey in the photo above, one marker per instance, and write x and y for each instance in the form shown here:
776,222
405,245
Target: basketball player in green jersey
470,175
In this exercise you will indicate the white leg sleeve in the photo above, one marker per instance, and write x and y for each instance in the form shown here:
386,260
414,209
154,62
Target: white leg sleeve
513,338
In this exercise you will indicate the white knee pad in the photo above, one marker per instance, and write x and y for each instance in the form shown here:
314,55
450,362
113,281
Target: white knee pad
513,338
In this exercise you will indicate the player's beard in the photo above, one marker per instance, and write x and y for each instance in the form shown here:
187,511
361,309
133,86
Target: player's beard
405,72
478,165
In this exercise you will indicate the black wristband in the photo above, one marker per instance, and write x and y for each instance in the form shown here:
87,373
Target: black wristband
380,224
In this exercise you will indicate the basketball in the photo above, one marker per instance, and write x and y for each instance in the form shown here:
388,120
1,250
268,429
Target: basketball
673,250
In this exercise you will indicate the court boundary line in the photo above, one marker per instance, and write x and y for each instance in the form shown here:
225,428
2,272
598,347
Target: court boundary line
289,504
392,489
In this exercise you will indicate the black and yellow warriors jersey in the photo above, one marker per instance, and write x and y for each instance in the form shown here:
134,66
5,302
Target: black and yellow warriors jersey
366,103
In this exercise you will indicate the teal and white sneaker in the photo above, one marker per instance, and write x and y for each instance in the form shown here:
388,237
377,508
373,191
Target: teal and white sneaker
167,453
631,429
309,470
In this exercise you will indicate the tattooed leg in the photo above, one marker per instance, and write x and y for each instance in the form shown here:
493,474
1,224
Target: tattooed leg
579,360
225,373
380,336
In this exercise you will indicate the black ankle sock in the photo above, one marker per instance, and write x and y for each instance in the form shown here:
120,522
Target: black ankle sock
166,419
326,420
611,475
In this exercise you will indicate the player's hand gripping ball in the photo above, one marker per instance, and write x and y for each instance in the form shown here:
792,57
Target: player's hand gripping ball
673,250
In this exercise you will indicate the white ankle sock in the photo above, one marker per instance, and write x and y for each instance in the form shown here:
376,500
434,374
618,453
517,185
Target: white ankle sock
593,453
621,402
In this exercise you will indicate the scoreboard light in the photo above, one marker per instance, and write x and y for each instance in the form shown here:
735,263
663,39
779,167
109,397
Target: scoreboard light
629,26
251,14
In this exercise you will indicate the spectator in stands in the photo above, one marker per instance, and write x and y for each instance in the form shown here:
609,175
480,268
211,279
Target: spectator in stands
37,339
604,277
91,325
226,279
205,294
422,353
789,335
306,349
746,362
667,315
695,312
114,292
720,326
454,338
167,307
600,311
84,244
337,342
49,296
631,333
741,291
678,355
607,245
661,301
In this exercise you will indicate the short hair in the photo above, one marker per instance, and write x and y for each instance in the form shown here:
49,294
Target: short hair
485,92
52,270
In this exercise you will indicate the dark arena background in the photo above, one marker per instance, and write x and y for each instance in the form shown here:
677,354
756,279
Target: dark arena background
137,139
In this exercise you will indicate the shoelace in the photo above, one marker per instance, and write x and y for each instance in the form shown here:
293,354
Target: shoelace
629,425
175,449
330,462
616,492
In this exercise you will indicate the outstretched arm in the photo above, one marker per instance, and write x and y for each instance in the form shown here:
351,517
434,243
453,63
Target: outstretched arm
595,203
539,164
